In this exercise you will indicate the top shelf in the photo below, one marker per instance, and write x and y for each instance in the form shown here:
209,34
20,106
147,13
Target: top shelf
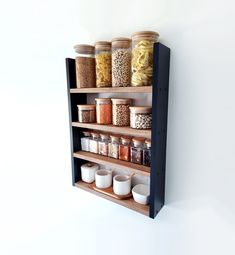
144,89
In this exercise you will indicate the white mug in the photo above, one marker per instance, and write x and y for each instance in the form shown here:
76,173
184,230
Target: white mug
88,171
103,179
122,184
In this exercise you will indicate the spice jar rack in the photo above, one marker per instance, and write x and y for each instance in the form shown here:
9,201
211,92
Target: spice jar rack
159,90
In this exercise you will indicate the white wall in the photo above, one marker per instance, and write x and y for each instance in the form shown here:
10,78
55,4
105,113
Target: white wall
40,212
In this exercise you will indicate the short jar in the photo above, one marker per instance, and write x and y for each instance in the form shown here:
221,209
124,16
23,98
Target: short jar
137,151
103,144
94,143
103,111
141,117
121,112
86,113
114,147
147,153
85,141
124,149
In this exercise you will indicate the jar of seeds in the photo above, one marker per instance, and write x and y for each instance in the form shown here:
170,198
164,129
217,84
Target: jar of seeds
141,117
121,112
114,147
94,142
103,144
86,113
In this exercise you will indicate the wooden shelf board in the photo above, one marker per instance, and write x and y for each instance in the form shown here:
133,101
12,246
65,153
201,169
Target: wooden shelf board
99,159
129,203
114,129
144,89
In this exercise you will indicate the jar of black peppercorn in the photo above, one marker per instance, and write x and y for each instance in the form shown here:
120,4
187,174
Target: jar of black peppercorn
137,150
147,153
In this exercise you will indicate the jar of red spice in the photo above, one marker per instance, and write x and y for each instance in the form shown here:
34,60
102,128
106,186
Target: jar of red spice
124,149
103,111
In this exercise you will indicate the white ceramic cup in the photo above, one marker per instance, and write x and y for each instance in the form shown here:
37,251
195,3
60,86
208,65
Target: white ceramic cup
88,171
122,184
103,178
141,193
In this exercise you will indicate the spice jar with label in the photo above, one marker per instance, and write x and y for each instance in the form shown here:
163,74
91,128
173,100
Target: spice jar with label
103,111
114,147
85,66
121,62
124,149
94,143
137,150
141,117
103,144
86,113
103,64
85,141
142,57
147,153
121,112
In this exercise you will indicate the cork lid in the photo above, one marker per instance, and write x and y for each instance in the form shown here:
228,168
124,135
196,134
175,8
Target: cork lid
121,100
103,100
114,138
125,140
86,133
138,141
103,45
145,35
141,109
121,42
84,49
104,136
148,143
95,135
86,107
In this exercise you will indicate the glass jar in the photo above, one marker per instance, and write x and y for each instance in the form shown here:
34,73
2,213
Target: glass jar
137,151
103,144
124,149
121,62
114,147
120,111
94,143
142,57
141,117
103,64
85,66
147,153
86,113
85,141
103,111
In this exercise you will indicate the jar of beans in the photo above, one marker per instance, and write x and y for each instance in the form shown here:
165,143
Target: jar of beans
94,143
137,150
141,117
85,141
124,149
103,144
114,147
103,64
85,66
121,62
142,57
86,113
121,111
103,111
147,153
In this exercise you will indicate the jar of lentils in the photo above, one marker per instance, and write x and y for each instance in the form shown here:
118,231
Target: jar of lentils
86,113
141,117
103,111
103,64
121,62
121,111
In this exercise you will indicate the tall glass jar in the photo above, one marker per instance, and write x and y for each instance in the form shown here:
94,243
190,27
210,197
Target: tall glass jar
85,66
114,147
121,62
137,151
103,111
124,149
103,144
147,153
103,64
85,141
121,112
142,57
94,143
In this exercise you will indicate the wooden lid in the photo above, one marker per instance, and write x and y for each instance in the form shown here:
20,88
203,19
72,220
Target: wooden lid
84,49
125,139
148,142
87,133
138,141
103,45
86,107
121,42
104,136
94,134
121,100
148,35
114,138
103,100
140,109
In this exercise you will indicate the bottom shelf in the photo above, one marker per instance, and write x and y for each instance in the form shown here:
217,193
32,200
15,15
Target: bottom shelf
129,203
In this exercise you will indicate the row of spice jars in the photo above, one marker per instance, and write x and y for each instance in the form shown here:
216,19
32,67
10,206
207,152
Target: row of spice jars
123,62
135,150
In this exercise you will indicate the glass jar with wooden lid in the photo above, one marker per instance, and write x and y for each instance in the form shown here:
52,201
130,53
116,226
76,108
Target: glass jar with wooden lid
142,57
94,142
141,117
147,153
137,150
103,111
114,146
124,149
86,113
85,66
103,64
121,112
103,144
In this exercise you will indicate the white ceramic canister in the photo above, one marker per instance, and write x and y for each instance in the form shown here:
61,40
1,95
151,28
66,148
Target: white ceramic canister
88,171
103,178
122,184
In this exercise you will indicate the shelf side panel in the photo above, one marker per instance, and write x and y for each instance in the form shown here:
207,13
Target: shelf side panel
161,66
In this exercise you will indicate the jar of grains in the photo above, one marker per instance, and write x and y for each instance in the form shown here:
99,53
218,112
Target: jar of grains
121,62
103,64
141,117
86,113
124,149
142,57
85,141
103,111
121,111
103,144
85,66
94,143
147,153
137,150
114,147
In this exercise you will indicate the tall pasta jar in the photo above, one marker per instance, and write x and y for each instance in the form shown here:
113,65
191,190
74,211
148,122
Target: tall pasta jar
85,66
103,111
121,112
103,64
121,62
142,57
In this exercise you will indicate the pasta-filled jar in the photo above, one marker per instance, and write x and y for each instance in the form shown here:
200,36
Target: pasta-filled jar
103,64
114,147
85,141
121,112
103,111
142,57
85,66
137,150
124,149
147,153
86,113
121,62
141,117
94,143
103,144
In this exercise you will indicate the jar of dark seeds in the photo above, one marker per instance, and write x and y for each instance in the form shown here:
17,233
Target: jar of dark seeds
86,113
121,112
141,117
147,153
137,151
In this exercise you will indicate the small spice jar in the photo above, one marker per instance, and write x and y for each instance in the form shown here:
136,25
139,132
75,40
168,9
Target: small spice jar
142,57
85,66
103,144
147,153
85,141
103,64
141,117
121,112
137,150
124,149
121,62
94,143
114,147
103,111
86,113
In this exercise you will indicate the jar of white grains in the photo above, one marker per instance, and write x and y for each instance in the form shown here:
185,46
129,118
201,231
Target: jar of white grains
141,117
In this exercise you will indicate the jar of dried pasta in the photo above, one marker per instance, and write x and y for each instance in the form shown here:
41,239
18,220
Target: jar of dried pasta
86,113
121,112
121,62
103,64
85,66
103,111
141,117
142,57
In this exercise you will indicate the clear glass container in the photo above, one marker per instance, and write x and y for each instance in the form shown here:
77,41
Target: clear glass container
103,144
94,143
103,111
85,66
137,151
141,117
121,62
85,141
147,153
114,147
124,149
120,111
86,113
142,57
103,64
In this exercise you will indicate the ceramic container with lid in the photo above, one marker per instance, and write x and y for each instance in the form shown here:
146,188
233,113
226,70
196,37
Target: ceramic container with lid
121,112
103,111
88,171
86,113
141,117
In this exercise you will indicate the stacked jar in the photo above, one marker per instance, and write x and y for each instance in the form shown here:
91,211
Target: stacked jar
141,117
86,113
121,112
103,111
